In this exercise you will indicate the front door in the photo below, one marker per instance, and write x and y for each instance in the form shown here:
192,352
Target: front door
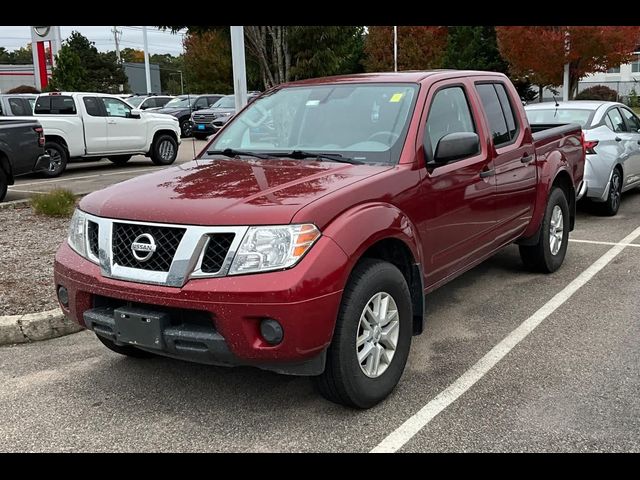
458,221
95,126
632,174
514,161
126,133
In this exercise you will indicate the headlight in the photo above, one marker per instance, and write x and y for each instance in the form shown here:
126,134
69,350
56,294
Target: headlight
77,233
273,248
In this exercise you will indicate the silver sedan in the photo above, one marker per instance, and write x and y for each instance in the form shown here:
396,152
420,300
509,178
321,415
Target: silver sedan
612,140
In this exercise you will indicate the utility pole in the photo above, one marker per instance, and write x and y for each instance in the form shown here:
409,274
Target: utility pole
117,34
239,67
395,48
565,78
147,70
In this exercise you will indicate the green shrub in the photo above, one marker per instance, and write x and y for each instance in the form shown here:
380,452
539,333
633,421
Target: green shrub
598,92
56,203
633,98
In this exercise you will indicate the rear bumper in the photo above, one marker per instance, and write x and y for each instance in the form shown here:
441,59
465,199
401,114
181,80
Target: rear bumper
304,300
597,175
582,189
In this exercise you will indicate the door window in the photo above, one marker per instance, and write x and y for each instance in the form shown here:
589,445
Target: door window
495,115
19,107
201,103
92,106
616,121
116,108
632,121
449,113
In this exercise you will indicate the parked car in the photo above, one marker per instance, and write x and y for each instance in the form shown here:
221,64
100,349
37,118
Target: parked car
612,139
182,106
17,104
89,126
306,248
21,150
149,102
208,121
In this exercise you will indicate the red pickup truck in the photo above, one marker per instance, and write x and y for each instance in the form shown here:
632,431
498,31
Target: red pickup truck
304,238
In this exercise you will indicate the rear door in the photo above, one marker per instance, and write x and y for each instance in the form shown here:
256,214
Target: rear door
514,157
633,126
457,197
625,143
126,133
95,125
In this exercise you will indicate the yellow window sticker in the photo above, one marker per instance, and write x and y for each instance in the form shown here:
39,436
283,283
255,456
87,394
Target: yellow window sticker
396,97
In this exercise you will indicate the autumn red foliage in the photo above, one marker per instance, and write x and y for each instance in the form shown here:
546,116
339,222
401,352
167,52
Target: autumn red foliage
419,48
540,53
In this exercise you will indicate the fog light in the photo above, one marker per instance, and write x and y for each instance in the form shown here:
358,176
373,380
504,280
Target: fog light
63,296
271,331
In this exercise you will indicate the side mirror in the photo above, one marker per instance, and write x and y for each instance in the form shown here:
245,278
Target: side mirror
455,146
135,113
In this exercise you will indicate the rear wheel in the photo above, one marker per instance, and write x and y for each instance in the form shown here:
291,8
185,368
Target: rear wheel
372,337
164,150
58,158
120,159
185,128
548,254
124,349
4,184
611,206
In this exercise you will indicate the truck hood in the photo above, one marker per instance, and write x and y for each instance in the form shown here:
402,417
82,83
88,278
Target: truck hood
172,111
226,192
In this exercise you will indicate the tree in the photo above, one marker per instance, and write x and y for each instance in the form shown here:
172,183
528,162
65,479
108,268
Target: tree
473,48
23,89
207,62
590,49
80,67
19,56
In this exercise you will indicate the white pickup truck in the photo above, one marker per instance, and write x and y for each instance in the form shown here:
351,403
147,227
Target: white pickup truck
95,125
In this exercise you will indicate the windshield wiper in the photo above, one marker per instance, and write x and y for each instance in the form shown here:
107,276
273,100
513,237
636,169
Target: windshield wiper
334,157
232,153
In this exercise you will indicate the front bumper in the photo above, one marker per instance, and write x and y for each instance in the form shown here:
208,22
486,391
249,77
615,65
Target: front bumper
304,300
203,128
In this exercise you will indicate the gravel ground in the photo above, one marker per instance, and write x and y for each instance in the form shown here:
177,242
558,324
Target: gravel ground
28,243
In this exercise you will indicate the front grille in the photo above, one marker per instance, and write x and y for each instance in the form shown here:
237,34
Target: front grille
167,240
204,117
216,252
92,234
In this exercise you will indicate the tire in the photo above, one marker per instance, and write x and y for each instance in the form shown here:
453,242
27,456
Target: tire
59,159
186,129
4,185
611,206
541,257
164,150
199,136
344,380
125,349
120,159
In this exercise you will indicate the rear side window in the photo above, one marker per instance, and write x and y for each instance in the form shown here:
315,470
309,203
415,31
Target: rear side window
19,107
507,109
449,113
92,106
55,105
495,115
632,121
616,121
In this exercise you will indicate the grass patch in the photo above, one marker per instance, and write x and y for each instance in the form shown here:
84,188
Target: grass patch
56,203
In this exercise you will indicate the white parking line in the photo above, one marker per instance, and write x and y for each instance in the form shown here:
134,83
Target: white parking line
605,243
24,191
66,179
399,437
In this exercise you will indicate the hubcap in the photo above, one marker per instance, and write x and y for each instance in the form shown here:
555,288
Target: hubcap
55,160
614,194
378,333
555,230
166,150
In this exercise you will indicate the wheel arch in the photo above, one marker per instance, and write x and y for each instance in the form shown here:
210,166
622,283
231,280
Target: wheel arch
5,166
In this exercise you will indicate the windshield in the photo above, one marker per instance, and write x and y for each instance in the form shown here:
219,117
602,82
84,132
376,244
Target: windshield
136,101
366,122
560,115
180,102
226,102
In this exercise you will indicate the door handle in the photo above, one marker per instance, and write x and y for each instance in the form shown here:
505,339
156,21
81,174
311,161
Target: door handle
527,158
111,122
487,173
618,139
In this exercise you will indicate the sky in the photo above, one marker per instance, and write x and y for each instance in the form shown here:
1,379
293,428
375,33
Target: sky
160,41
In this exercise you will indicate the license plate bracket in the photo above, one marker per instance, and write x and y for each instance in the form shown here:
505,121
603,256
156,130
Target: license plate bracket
140,327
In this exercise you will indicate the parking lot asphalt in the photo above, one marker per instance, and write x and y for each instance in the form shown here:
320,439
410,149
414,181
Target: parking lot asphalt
570,385
84,177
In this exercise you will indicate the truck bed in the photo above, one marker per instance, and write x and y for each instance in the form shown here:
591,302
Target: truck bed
542,131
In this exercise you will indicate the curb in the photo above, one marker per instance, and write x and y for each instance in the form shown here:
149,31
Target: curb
27,201
33,327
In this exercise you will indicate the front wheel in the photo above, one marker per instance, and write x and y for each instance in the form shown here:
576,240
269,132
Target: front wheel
57,159
548,254
372,337
164,150
4,184
186,128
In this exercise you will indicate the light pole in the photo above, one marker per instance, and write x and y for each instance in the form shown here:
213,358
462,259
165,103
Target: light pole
239,66
147,71
395,48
